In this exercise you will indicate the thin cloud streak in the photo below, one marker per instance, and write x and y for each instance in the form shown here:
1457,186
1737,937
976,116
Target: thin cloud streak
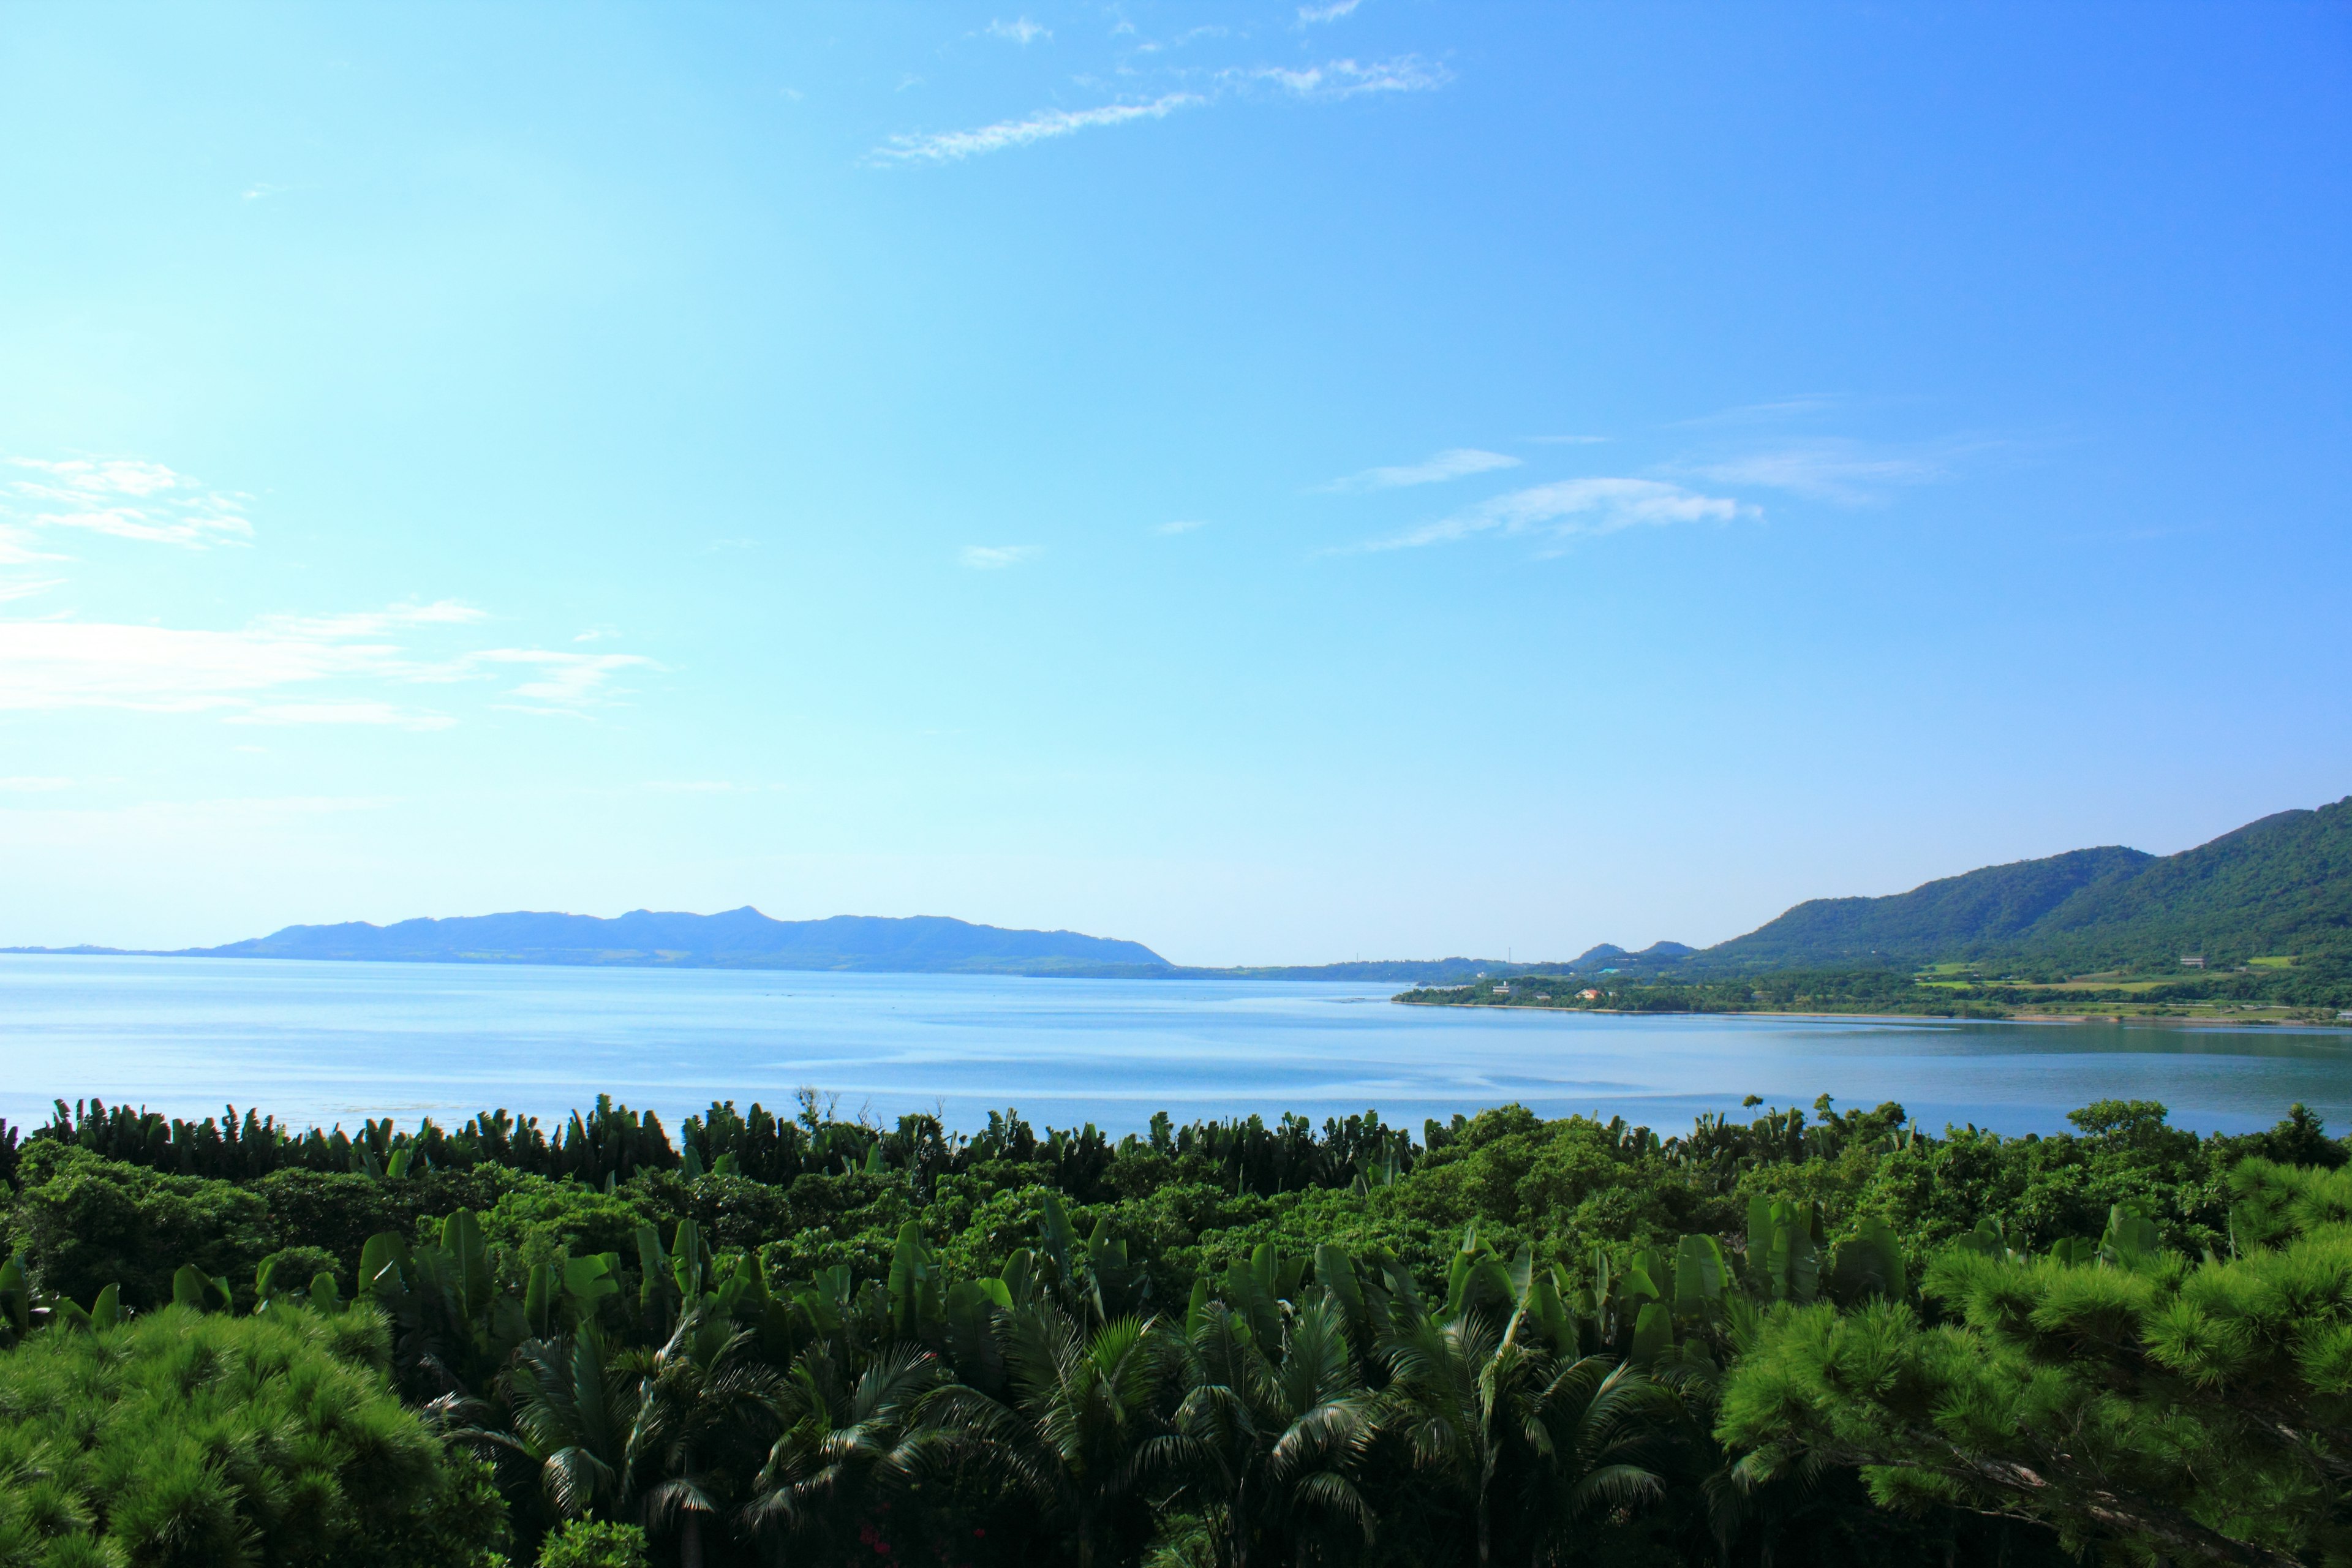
1346,79
242,675
1332,80
1569,509
571,680
126,497
1454,463
1838,469
954,146
997,557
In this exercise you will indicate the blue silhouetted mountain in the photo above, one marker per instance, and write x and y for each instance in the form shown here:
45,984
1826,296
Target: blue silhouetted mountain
737,938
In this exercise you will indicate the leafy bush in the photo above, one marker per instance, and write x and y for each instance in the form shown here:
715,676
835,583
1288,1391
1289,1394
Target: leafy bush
83,1223
581,1543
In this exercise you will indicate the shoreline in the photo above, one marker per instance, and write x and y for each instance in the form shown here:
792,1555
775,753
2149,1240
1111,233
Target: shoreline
2325,1027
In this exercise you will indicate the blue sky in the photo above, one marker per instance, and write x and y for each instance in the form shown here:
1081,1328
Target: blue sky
1274,482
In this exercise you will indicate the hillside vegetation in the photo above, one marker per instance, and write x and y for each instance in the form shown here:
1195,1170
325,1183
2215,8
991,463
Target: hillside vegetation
1504,1339
2281,886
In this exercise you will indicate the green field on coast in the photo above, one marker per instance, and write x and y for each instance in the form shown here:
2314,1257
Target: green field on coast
2275,991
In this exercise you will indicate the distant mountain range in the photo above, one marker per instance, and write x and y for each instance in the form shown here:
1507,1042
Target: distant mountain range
737,939
2282,885
746,939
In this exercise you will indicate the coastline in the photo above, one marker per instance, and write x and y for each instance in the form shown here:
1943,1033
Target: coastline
2325,1027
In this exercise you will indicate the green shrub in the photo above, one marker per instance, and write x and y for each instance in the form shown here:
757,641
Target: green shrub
178,1440
83,1223
581,1544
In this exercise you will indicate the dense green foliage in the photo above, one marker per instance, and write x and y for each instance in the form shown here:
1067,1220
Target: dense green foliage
801,1339
176,1438
2198,1409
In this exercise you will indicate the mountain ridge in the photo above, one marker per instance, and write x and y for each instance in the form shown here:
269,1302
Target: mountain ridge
732,939
2279,885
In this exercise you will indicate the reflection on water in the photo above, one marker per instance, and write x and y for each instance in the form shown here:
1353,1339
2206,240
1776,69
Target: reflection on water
329,1041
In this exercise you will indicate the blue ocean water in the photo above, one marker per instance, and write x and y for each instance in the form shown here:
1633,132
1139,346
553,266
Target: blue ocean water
334,1042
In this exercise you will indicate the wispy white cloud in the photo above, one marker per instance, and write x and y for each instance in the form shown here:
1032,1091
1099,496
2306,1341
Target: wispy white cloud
954,146
1346,79
1330,12
282,669
1454,463
27,784
1568,508
373,623
61,664
251,675
1335,78
17,548
1022,31
571,680
996,557
1183,525
1835,468
125,497
1189,37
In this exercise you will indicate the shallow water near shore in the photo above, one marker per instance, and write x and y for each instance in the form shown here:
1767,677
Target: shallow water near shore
333,1042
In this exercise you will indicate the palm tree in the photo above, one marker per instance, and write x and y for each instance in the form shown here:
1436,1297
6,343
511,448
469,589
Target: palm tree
575,1402
1599,1429
1270,1441
1542,1444
842,1439
705,1410
657,1436
1071,1434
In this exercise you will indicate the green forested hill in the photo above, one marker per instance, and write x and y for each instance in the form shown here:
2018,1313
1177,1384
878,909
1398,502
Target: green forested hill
2282,885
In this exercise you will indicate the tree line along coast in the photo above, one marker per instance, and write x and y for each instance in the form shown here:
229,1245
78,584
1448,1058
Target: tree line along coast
1813,1337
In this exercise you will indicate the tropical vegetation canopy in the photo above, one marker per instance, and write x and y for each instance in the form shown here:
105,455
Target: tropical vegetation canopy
1801,1339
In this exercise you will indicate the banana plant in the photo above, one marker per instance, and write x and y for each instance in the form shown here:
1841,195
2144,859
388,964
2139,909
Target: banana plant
101,1314
192,1287
453,1327
918,1297
1867,1263
16,1304
1784,1259
1989,1239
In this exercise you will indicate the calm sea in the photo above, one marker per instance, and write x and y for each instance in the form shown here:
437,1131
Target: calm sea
329,1042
